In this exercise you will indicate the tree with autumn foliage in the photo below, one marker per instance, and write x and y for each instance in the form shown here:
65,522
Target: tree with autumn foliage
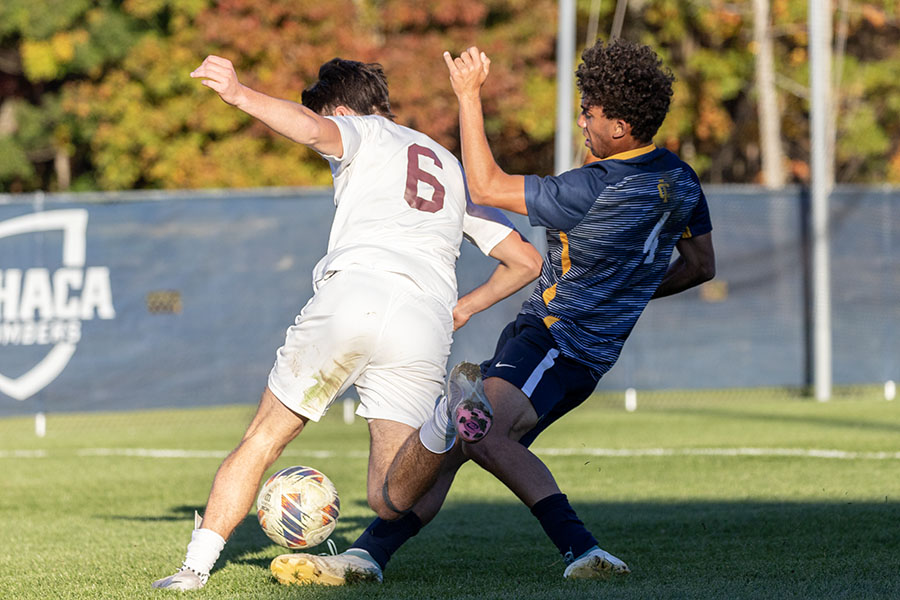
95,94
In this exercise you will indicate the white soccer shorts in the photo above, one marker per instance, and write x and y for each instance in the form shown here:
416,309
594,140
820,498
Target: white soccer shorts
370,328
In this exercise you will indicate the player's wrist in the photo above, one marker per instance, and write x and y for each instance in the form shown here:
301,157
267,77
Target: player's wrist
242,97
469,96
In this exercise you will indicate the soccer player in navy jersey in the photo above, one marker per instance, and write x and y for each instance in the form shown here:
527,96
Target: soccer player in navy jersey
611,228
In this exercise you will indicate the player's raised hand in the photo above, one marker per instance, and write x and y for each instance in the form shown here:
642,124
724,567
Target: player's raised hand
218,73
468,71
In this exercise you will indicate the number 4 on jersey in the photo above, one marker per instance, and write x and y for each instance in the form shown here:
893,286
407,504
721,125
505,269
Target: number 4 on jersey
415,174
653,239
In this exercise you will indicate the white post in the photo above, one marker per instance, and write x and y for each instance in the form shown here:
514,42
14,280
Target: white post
40,424
565,69
820,16
349,405
631,399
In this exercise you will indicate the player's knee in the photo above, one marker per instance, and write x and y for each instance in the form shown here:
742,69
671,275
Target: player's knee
482,452
260,449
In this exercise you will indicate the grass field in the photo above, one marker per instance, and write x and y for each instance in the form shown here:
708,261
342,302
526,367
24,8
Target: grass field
750,495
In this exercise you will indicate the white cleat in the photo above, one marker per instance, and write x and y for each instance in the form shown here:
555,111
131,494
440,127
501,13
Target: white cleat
596,564
469,408
184,579
338,569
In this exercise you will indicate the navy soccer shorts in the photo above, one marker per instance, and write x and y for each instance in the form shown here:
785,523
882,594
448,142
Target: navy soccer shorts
527,357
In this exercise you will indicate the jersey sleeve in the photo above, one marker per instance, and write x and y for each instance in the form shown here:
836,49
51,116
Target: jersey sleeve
562,201
352,133
699,223
485,226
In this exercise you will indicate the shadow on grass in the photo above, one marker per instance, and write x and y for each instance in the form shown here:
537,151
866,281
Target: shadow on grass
677,550
177,513
248,538
684,549
694,549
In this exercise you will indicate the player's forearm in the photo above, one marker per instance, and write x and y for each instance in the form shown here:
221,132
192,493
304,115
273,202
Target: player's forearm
682,276
292,120
695,264
520,264
478,160
488,184
503,282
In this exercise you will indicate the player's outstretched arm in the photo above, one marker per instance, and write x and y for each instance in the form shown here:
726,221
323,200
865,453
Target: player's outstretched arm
520,264
488,184
695,264
290,119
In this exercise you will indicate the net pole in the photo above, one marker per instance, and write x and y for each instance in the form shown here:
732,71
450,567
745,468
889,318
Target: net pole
618,19
565,59
820,102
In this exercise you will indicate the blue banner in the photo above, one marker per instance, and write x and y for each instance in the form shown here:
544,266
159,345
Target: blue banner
153,299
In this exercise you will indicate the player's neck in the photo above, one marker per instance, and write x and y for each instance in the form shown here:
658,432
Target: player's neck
627,144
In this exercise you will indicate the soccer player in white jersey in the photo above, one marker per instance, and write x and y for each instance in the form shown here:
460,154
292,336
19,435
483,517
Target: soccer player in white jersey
611,228
382,314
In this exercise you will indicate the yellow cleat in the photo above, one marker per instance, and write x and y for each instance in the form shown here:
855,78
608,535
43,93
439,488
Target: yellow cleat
353,566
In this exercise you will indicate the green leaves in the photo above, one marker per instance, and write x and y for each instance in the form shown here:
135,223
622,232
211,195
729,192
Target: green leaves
108,83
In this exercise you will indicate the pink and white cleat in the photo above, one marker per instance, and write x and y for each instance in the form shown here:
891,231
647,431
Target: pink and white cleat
469,407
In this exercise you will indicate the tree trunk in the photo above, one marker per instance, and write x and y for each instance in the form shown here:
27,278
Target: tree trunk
773,169
63,168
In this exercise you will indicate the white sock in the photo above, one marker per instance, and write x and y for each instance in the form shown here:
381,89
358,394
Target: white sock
438,433
203,551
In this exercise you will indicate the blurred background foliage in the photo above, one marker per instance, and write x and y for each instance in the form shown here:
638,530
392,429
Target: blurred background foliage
95,94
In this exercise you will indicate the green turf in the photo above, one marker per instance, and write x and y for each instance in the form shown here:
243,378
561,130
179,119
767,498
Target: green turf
81,521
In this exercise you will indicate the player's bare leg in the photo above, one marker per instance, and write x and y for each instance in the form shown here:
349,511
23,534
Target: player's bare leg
407,483
237,480
527,477
410,475
428,506
500,451
234,489
366,558
463,411
386,438
391,443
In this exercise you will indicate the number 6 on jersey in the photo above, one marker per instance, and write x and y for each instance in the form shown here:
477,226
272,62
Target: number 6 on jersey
415,174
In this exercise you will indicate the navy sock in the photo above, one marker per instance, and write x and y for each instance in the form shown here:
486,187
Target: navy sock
563,526
382,538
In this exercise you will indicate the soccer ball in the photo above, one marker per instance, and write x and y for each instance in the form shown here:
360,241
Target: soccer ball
298,507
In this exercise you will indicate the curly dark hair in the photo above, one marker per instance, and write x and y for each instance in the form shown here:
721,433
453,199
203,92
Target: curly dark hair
359,86
629,82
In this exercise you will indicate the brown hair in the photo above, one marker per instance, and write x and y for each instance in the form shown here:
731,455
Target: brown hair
361,87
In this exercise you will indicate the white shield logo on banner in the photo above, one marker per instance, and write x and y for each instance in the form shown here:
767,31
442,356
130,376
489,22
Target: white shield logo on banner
73,224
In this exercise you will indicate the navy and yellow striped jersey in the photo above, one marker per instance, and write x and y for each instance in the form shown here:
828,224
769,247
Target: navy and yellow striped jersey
611,228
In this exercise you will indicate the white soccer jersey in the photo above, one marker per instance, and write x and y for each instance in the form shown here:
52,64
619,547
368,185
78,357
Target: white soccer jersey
401,206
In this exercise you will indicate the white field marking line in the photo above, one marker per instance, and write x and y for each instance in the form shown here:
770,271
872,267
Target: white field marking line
23,454
177,453
608,452
789,452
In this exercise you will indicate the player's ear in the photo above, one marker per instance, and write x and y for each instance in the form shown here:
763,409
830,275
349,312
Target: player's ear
342,111
621,129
